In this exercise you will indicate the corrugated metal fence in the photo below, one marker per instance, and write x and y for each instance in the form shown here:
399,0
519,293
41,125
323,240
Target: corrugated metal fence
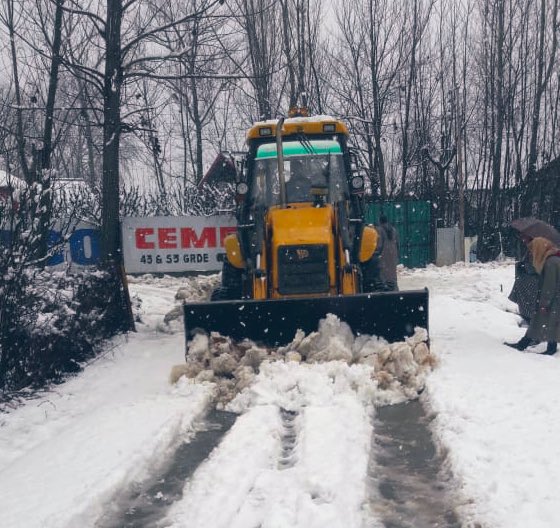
412,219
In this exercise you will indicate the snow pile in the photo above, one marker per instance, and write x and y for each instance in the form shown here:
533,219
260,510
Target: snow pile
198,290
191,289
396,371
293,386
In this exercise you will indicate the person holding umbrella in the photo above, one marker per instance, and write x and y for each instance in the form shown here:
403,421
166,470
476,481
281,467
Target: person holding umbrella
530,228
526,286
545,322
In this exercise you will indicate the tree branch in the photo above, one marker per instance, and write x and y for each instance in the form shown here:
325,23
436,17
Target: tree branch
126,49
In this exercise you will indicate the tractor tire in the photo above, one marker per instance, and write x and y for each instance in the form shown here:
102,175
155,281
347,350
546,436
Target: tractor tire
232,284
219,294
371,276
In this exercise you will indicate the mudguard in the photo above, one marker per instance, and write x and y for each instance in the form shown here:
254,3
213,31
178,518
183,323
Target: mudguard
391,315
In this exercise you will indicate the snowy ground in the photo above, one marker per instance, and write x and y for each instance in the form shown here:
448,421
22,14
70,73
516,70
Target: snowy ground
65,455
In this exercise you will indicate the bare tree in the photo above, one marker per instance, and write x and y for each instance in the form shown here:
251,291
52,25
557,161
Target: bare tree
371,54
196,96
260,22
130,37
548,23
300,39
36,168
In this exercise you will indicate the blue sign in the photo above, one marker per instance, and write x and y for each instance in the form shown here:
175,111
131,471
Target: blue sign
82,248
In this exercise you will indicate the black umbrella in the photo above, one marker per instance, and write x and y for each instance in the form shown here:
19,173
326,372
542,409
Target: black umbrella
533,227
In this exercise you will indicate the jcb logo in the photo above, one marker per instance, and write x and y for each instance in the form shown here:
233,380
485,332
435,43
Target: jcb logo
302,254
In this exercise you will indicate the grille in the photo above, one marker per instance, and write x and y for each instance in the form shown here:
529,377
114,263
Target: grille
303,269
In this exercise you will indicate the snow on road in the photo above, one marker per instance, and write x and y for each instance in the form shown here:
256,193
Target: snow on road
496,407
324,483
64,455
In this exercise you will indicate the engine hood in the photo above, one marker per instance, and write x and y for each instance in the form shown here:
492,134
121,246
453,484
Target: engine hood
301,224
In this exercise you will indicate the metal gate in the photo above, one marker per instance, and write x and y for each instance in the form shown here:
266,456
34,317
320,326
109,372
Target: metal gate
412,219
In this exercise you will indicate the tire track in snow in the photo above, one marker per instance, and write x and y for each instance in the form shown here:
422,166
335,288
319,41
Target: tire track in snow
410,487
146,503
289,439
230,476
297,456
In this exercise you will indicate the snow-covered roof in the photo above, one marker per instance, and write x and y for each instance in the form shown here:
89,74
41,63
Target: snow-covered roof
69,184
9,180
62,184
289,120
62,188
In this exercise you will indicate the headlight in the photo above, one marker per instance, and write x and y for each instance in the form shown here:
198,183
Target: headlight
242,188
357,183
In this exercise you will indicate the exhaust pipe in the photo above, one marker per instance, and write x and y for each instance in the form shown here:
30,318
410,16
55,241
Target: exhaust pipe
280,157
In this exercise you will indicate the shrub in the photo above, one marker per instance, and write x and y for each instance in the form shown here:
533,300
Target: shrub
52,322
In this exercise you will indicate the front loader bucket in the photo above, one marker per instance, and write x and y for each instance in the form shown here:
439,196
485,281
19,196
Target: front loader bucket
391,315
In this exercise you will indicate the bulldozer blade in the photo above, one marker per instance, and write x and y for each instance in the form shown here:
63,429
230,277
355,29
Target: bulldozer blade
391,315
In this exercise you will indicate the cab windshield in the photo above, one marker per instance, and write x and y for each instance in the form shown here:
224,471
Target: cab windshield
307,164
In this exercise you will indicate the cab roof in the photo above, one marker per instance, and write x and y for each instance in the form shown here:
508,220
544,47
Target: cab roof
322,124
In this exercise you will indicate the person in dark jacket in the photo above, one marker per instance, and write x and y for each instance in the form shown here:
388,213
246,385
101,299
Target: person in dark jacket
389,258
545,322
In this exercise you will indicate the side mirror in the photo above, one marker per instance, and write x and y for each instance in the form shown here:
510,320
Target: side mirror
241,190
358,175
357,184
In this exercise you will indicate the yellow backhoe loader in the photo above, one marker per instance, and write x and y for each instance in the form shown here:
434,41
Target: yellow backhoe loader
302,249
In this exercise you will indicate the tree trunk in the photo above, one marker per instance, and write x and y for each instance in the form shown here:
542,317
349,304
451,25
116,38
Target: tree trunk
44,167
408,98
91,176
111,133
198,132
377,118
543,76
19,112
286,28
489,247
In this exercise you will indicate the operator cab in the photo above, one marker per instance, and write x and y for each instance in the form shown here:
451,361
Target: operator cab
309,166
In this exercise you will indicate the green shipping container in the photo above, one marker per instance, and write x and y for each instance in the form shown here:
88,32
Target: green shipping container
413,222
